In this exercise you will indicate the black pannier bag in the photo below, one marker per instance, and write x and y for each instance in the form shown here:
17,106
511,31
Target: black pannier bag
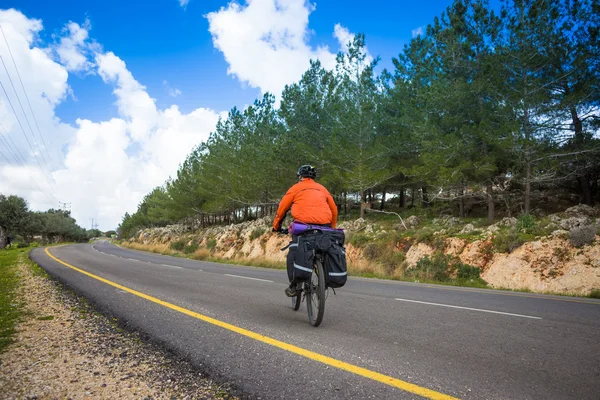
331,243
304,257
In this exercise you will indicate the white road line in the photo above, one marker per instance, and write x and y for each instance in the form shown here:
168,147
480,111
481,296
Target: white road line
469,308
170,266
246,277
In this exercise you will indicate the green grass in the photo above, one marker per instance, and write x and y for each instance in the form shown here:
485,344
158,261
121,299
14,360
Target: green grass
10,308
595,294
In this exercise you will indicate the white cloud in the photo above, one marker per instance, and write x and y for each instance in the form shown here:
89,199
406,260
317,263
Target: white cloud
72,47
104,168
343,36
265,42
184,3
418,32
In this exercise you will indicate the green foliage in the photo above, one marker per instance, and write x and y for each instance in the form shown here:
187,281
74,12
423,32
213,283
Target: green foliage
256,233
53,225
10,309
211,244
581,236
190,248
508,241
465,271
359,239
595,294
442,268
526,221
178,245
434,268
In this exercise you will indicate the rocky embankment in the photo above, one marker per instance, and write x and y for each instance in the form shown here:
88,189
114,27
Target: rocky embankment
548,257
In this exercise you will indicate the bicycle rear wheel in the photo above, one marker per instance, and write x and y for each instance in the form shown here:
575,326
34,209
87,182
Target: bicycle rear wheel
315,296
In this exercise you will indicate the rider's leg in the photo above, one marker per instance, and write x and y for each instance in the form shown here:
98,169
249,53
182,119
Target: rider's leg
291,290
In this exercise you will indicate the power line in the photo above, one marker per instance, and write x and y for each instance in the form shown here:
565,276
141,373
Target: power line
14,146
18,157
28,184
10,150
28,142
24,113
28,102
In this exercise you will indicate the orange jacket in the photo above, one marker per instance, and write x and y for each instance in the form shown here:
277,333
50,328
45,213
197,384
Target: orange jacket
311,203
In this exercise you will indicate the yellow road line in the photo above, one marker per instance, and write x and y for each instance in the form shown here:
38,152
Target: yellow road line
388,380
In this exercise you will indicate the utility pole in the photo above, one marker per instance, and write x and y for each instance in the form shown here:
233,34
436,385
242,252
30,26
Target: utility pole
94,224
64,206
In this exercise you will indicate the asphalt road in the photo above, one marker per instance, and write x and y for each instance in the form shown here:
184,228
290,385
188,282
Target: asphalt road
460,342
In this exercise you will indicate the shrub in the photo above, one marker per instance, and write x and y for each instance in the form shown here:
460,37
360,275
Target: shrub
526,221
581,236
211,244
178,245
191,248
256,233
359,239
22,245
201,254
431,268
595,293
466,271
372,251
507,242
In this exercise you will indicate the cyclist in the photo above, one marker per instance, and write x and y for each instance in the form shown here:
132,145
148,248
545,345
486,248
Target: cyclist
311,203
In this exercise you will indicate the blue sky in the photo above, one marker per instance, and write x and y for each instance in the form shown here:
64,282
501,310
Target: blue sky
162,41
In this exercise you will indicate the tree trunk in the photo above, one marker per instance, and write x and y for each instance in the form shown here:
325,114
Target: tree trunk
490,197
412,200
461,201
382,205
402,202
527,188
345,204
425,197
363,204
2,237
584,182
586,190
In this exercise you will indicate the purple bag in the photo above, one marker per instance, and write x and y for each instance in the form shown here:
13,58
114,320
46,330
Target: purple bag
296,228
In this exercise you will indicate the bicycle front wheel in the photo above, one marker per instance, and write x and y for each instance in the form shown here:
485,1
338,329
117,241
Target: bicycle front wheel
315,297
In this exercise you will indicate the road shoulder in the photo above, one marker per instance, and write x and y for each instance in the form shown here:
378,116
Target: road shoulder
64,348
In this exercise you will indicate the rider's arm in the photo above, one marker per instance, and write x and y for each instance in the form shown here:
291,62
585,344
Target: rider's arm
283,208
334,210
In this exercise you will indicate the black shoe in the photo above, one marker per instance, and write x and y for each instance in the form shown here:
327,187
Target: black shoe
291,291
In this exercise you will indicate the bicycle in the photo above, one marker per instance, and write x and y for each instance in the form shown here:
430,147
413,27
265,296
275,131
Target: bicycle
313,290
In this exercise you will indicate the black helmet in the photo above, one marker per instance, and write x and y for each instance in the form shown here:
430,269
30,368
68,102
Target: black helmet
307,171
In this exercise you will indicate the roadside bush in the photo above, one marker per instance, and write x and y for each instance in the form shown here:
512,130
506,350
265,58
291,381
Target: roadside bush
256,233
431,268
526,221
191,248
466,271
211,244
581,236
372,251
441,268
595,293
508,241
178,245
22,245
359,239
